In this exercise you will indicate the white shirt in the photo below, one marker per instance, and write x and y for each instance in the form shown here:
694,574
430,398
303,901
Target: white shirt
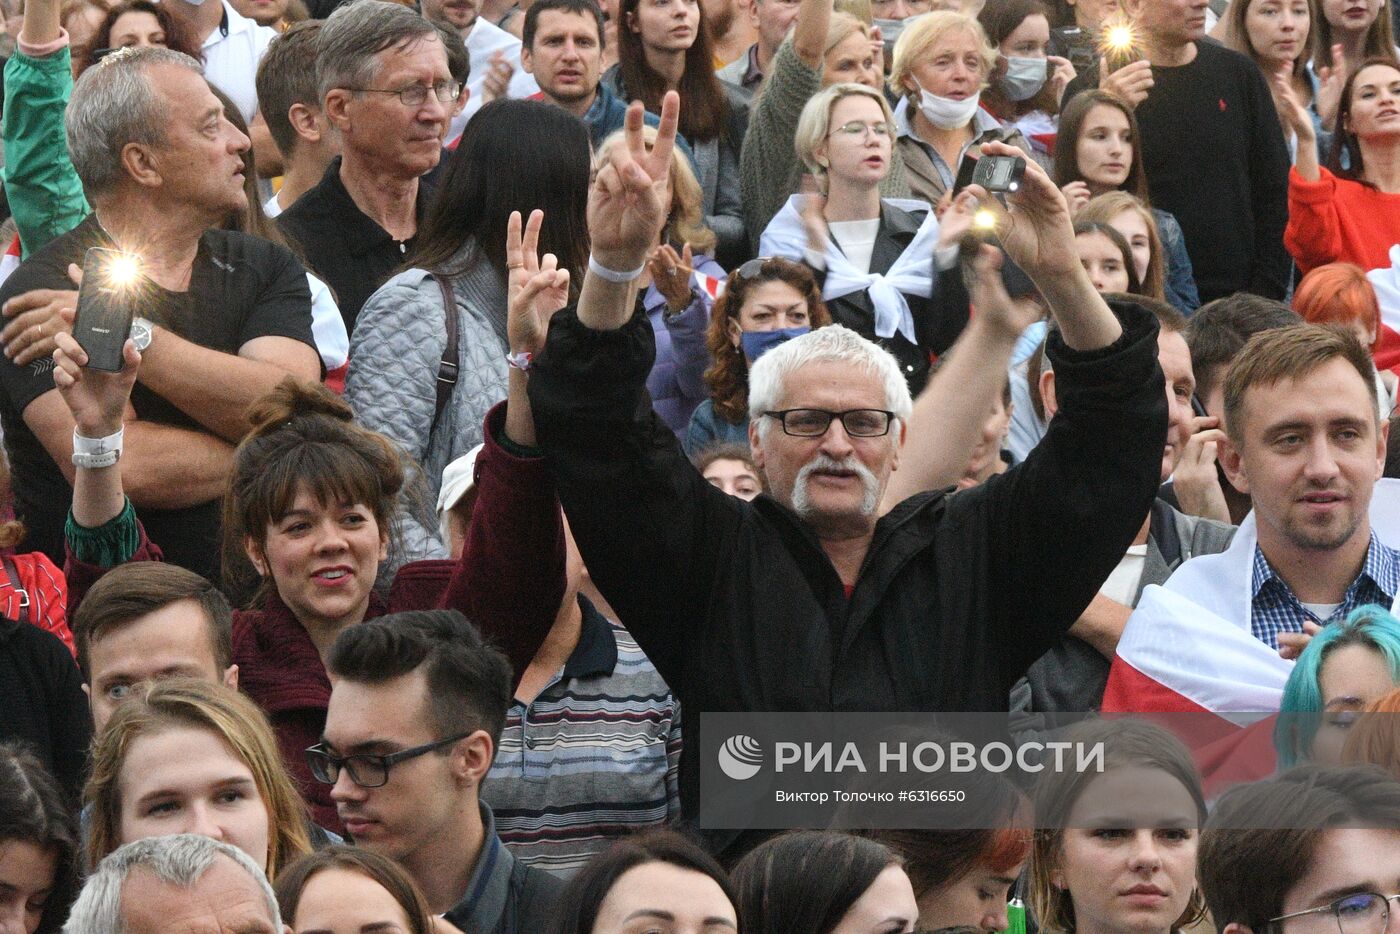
1122,584
231,61
483,41
857,240
272,207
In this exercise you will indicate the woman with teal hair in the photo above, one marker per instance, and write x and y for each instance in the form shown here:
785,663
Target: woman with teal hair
1344,667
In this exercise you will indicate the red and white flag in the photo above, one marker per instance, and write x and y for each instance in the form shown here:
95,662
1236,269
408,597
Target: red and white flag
709,284
1386,282
10,261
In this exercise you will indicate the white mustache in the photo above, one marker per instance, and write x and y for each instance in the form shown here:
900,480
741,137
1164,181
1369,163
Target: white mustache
801,497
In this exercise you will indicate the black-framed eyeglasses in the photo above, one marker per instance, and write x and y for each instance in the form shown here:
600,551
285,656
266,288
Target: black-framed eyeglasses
813,423
415,94
1358,913
366,770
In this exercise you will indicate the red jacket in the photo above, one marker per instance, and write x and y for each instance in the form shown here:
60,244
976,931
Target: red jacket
514,603
1336,220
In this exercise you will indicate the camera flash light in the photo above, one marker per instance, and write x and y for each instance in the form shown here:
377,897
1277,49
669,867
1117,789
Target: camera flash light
984,220
123,270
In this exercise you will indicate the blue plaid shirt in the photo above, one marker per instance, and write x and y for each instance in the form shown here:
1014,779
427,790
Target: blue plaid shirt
1276,609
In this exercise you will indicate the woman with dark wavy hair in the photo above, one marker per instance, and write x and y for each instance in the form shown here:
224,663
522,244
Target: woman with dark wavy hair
136,24
766,301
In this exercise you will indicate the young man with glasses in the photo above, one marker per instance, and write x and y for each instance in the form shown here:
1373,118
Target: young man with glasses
385,87
812,597
416,711
1315,851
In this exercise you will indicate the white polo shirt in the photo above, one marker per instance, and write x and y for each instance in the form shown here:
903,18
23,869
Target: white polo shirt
231,58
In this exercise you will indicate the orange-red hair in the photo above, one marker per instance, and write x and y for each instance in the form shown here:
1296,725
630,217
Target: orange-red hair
1339,293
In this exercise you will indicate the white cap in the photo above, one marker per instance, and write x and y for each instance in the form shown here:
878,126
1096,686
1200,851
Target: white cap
457,478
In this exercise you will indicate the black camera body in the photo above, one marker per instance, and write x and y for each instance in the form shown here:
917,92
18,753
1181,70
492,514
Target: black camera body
999,174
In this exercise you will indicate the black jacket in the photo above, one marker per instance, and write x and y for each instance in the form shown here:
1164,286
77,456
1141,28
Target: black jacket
938,320
44,705
739,607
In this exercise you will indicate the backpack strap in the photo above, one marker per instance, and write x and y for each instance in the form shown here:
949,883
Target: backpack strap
12,576
447,368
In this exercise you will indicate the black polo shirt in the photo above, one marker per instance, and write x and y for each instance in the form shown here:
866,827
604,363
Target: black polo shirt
342,245
241,288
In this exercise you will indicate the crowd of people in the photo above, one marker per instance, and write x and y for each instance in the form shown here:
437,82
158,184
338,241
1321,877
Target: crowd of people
513,384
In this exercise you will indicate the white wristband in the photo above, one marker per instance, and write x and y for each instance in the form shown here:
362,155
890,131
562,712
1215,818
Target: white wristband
93,453
612,275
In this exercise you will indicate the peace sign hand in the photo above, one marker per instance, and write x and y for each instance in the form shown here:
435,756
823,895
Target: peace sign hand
536,288
627,206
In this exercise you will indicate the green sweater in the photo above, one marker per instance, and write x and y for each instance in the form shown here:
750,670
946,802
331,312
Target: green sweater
769,170
45,195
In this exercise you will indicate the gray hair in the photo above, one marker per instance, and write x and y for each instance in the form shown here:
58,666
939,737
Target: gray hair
831,344
180,860
355,34
116,103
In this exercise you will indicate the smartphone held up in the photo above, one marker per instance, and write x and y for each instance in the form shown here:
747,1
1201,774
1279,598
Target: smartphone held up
113,286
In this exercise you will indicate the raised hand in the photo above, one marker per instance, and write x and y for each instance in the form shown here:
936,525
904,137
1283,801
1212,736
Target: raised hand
1291,644
1195,480
1132,82
1291,110
628,204
1035,227
813,213
670,273
97,399
1061,74
536,288
956,219
1077,194
497,81
1330,81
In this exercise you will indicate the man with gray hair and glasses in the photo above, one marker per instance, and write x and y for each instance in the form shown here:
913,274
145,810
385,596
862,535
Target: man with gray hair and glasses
385,86
183,884
816,597
223,317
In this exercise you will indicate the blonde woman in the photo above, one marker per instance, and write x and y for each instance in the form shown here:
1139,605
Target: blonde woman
942,64
674,292
1131,218
189,756
874,257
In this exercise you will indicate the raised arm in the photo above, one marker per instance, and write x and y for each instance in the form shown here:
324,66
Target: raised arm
44,192
1036,231
511,578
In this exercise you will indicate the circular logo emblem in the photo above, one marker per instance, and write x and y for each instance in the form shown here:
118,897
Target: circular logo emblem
740,757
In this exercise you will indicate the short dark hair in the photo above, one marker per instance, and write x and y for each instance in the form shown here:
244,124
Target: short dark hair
32,810
1218,331
287,76
459,62
585,8
577,909
128,592
1261,838
1291,353
469,680
807,880
291,882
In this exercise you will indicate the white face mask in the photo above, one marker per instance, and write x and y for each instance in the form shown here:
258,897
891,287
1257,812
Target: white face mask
1024,77
890,29
946,113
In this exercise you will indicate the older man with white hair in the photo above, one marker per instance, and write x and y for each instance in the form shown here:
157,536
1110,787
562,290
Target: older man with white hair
182,884
808,598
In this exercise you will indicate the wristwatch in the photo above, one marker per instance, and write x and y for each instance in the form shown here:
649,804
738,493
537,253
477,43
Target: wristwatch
93,453
142,330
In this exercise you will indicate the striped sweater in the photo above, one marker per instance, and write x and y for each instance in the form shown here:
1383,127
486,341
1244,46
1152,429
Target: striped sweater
595,756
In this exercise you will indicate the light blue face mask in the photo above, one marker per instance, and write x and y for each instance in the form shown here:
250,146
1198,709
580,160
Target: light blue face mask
1024,77
757,343
890,29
